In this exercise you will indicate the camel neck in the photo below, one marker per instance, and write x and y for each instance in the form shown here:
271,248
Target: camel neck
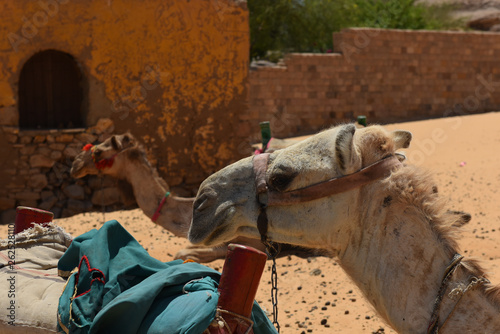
398,263
148,191
176,213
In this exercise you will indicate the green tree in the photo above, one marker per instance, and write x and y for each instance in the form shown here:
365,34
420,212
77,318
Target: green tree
282,26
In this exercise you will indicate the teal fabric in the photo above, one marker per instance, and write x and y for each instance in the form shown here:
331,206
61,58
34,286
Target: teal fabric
121,289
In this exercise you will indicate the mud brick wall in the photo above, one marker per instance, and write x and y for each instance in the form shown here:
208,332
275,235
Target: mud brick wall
386,75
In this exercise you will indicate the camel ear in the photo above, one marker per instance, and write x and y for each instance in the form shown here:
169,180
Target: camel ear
401,139
127,140
344,147
115,142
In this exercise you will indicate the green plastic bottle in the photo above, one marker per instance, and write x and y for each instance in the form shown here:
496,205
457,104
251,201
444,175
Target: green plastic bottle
265,131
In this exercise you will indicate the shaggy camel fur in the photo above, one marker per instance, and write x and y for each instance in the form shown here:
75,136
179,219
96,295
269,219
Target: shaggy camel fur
392,236
129,162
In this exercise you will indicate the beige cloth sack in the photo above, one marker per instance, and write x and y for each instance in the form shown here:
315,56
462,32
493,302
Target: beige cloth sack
30,288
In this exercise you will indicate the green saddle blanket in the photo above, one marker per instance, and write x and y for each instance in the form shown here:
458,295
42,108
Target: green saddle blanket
120,288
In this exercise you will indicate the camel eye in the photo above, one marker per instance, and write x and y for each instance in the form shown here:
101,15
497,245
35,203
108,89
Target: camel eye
97,153
281,181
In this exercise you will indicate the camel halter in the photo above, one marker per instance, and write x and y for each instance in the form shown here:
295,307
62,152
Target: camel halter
269,197
103,163
434,327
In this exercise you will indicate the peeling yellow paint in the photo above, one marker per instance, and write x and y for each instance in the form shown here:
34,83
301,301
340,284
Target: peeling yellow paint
6,94
165,68
161,133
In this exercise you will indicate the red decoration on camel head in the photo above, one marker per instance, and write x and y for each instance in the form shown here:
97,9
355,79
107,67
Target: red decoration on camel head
101,164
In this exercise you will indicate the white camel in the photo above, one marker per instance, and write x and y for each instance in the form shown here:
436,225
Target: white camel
344,190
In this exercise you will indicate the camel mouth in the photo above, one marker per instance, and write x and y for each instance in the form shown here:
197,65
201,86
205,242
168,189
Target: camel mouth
76,171
210,229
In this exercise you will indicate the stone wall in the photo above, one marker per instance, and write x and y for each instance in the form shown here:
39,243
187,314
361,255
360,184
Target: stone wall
386,75
40,177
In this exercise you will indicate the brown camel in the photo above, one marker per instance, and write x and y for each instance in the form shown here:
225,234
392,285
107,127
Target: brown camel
122,157
384,220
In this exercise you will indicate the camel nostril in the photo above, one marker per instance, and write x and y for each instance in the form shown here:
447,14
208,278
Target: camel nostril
204,201
200,203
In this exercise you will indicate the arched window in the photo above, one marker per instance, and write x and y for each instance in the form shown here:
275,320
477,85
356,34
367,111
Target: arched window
50,92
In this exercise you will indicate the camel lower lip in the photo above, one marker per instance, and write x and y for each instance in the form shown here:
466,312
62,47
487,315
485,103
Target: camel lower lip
218,223
214,235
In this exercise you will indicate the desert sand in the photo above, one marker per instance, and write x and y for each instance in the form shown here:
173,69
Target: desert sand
315,295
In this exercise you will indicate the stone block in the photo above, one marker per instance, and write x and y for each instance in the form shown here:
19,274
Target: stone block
42,149
56,211
74,191
27,195
39,139
79,206
40,160
27,149
64,138
48,203
86,138
46,194
7,203
25,139
57,146
106,197
38,181
71,152
8,217
56,155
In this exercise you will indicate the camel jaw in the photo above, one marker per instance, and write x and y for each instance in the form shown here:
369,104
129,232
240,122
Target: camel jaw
211,225
221,206
83,165
77,169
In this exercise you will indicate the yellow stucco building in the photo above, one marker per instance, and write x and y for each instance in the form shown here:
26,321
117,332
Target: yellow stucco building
172,72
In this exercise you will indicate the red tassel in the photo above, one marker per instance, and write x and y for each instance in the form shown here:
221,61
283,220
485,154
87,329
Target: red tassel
87,147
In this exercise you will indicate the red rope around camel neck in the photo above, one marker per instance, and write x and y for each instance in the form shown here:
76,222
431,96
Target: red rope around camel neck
158,209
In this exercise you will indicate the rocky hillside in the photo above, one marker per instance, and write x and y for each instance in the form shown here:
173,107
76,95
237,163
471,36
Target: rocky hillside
481,15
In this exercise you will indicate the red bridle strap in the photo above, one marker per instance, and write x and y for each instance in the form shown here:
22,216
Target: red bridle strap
101,164
156,215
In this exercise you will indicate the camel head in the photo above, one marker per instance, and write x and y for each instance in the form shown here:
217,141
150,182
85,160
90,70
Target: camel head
226,205
102,158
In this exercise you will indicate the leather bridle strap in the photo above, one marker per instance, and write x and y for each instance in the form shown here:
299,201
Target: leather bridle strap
433,327
334,186
259,168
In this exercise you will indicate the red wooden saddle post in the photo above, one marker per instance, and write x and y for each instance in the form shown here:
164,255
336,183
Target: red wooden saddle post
237,289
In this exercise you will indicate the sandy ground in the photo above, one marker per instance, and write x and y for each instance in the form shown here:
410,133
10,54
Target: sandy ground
315,296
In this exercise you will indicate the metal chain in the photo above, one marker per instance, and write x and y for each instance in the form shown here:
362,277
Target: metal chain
273,250
274,294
